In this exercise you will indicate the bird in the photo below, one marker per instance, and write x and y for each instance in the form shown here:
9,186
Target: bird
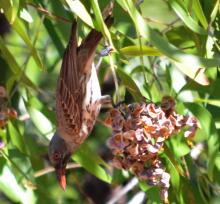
78,99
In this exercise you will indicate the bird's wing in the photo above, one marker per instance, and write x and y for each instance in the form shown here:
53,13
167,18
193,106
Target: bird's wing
69,96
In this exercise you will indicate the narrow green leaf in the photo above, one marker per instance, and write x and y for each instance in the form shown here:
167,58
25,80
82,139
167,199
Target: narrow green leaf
215,10
163,45
209,101
78,8
91,155
143,185
197,8
41,122
208,126
135,50
10,187
100,22
37,104
179,145
54,36
187,19
175,177
19,28
10,9
91,162
154,195
177,55
136,17
15,68
130,85
9,58
16,138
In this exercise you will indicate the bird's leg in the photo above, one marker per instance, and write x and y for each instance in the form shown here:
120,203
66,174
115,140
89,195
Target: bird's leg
106,99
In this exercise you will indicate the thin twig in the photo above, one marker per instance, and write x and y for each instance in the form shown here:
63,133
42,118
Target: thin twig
129,186
112,66
155,21
187,173
154,67
15,165
142,60
170,25
51,169
97,65
41,9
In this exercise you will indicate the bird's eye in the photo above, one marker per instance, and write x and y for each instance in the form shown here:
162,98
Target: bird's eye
56,156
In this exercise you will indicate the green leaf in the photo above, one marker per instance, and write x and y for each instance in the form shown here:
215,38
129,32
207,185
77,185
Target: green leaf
217,162
41,122
179,145
10,9
174,169
78,8
143,185
54,37
197,8
37,104
179,56
15,68
16,137
154,195
10,187
136,17
163,45
208,126
9,58
100,22
215,10
92,163
187,19
208,101
135,50
19,28
130,85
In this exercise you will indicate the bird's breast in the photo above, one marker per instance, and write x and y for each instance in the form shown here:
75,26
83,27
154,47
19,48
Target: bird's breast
91,104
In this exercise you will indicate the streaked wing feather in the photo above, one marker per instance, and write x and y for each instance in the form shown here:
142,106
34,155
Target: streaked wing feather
69,91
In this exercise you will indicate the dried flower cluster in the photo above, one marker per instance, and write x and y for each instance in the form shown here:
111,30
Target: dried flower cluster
5,112
139,131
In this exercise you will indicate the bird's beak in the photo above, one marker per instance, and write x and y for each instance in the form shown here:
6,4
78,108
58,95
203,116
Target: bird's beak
61,177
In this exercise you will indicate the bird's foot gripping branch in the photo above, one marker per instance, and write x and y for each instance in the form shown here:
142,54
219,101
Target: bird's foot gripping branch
139,132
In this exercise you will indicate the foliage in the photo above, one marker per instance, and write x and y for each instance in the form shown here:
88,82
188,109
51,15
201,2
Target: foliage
161,47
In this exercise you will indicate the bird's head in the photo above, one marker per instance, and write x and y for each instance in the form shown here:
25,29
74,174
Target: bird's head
59,155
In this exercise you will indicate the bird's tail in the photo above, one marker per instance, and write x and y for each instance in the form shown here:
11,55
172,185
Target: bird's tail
93,38
86,50
73,37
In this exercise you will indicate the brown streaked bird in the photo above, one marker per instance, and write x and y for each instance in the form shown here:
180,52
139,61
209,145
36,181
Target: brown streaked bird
78,99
